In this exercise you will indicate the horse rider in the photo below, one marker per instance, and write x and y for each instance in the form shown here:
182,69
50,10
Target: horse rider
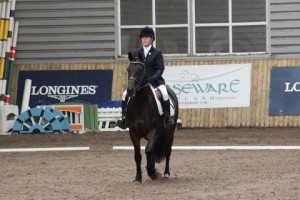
154,62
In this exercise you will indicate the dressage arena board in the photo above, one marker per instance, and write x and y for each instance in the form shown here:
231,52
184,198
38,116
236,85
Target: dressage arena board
44,149
143,148
218,148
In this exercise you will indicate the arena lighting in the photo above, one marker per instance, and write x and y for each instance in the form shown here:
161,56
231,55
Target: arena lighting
44,149
218,147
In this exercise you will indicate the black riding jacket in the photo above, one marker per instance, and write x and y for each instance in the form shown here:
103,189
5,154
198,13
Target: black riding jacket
155,67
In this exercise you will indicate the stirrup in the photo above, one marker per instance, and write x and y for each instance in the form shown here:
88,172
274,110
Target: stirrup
121,123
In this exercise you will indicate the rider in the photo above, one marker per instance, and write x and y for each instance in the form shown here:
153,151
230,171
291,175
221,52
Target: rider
153,59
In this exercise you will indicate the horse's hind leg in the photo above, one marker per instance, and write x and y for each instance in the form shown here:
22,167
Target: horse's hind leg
151,166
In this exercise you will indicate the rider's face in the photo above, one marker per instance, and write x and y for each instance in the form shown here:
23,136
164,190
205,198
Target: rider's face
146,41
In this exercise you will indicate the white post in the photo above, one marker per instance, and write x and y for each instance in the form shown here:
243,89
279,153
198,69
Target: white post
26,95
3,88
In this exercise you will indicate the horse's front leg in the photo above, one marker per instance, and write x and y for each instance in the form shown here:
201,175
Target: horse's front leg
138,161
137,158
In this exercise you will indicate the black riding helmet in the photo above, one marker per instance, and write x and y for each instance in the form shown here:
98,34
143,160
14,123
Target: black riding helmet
147,31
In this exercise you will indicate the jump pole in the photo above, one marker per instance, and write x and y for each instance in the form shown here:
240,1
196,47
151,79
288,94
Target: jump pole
3,43
1,102
12,57
5,36
11,15
1,25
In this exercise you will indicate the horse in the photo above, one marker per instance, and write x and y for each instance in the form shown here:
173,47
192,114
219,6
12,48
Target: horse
144,121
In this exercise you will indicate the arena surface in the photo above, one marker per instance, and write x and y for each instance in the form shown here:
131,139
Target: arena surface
104,173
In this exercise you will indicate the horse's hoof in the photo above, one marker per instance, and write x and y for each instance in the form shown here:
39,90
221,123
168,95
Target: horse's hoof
155,175
137,182
166,176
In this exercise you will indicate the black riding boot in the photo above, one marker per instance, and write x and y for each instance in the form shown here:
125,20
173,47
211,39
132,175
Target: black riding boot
122,122
166,108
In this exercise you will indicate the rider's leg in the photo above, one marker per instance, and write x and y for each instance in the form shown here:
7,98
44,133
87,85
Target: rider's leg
166,105
122,122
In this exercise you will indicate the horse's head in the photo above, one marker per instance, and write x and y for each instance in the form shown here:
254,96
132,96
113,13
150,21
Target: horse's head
136,72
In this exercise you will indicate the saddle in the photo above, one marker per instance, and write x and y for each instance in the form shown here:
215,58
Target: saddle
158,98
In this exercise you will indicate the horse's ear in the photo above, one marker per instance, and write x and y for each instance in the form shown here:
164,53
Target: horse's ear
140,57
130,56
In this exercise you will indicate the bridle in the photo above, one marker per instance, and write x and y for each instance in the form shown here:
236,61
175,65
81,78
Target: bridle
139,82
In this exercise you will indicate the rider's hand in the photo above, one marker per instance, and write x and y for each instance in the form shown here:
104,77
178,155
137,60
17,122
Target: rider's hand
151,79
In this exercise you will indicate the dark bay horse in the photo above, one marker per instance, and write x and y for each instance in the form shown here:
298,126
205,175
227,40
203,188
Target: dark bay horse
144,121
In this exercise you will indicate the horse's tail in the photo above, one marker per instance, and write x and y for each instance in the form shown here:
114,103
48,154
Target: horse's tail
158,150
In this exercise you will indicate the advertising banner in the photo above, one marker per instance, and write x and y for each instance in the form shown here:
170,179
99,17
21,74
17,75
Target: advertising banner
285,91
55,86
210,86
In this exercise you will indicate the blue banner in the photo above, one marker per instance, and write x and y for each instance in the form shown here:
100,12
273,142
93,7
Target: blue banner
285,91
55,86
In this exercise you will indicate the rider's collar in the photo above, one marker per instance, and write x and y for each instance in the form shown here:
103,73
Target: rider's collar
146,50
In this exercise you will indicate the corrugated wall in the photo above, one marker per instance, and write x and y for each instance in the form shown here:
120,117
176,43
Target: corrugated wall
285,28
65,31
257,115
83,31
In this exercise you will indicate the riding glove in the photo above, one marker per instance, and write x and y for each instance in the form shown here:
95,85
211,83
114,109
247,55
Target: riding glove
152,78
